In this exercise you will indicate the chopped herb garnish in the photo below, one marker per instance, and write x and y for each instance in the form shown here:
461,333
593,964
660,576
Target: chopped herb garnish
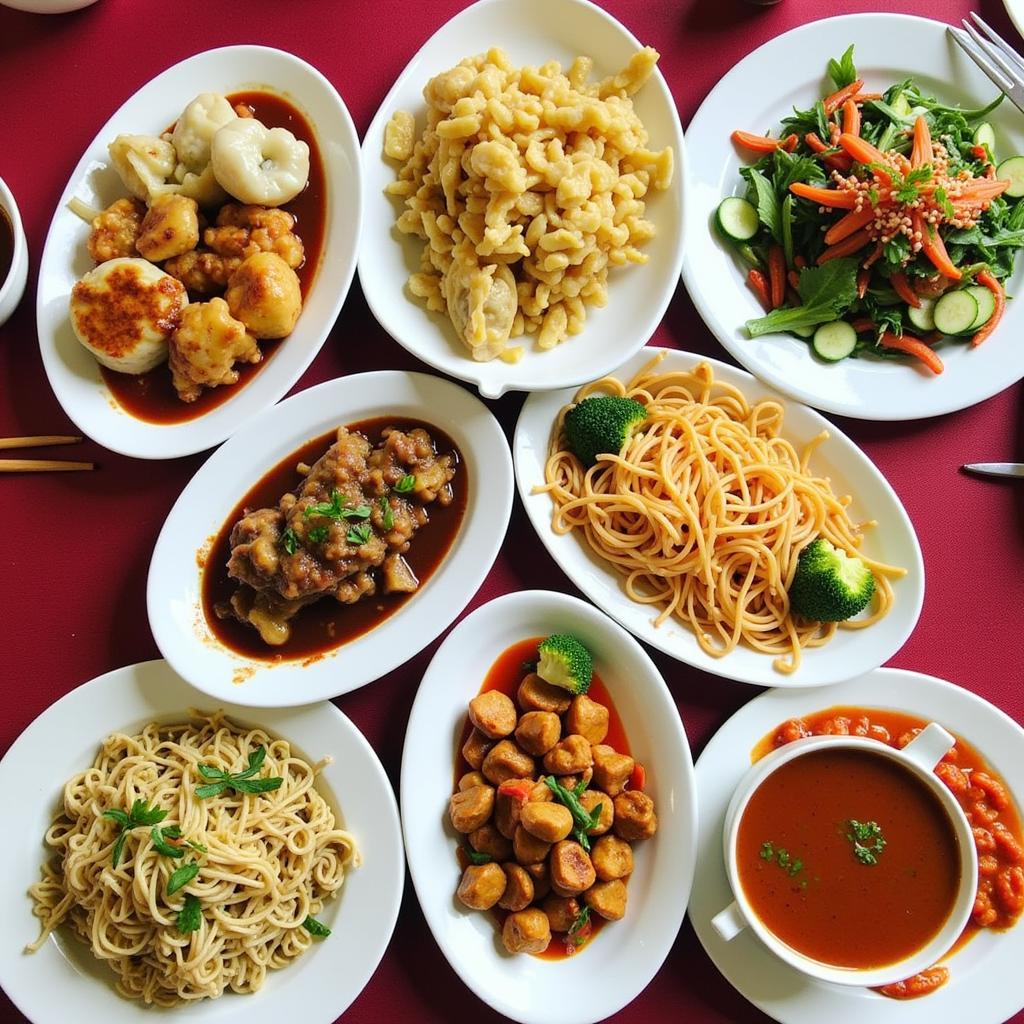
582,818
161,835
781,856
181,877
289,541
406,484
358,535
318,534
315,928
868,841
387,516
580,922
240,782
190,917
478,858
337,509
767,851
139,816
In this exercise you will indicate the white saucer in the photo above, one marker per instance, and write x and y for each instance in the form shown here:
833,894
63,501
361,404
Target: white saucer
984,985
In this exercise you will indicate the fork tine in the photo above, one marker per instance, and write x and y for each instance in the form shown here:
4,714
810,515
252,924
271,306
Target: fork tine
992,50
1007,50
963,40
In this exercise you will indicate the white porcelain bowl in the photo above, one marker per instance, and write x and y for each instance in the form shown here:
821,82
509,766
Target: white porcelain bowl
617,965
47,6
12,287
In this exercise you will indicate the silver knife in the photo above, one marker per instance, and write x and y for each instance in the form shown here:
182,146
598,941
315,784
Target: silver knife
1010,469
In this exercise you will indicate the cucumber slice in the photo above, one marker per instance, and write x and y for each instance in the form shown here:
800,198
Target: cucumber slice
923,318
984,135
986,306
834,341
955,312
1012,169
737,219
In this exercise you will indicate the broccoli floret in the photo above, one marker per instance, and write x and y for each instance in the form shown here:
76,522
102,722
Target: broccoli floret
830,585
565,662
602,424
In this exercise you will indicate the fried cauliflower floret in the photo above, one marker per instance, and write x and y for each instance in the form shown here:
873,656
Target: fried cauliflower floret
264,294
170,228
244,231
206,346
115,230
203,272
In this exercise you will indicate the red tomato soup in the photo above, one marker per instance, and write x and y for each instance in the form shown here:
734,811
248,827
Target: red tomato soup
848,858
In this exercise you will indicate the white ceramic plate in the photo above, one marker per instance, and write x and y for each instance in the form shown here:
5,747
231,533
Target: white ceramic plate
531,32
984,986
616,967
1015,9
889,48
894,541
175,580
74,374
63,981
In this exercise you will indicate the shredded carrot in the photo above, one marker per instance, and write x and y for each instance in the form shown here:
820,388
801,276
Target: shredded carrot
851,118
913,347
839,97
981,190
934,248
922,152
864,97
790,142
902,288
814,143
759,283
831,197
847,247
846,225
860,149
863,277
762,143
874,257
985,278
777,275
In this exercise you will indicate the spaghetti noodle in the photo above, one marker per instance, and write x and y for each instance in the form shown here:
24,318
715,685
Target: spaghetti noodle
266,861
706,511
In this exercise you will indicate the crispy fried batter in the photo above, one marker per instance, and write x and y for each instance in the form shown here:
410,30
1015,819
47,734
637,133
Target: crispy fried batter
206,346
246,230
203,272
115,230
170,228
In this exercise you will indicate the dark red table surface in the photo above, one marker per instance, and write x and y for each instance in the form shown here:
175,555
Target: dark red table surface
75,549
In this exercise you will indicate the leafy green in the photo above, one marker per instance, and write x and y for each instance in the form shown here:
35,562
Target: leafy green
160,844
190,917
181,877
580,921
387,516
765,199
337,509
289,541
476,857
583,820
826,292
240,782
843,71
315,928
141,815
868,841
318,534
786,217
358,535
406,484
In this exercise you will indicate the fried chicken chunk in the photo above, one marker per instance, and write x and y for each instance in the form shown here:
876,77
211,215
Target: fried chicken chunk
170,228
203,272
115,230
264,294
246,230
206,346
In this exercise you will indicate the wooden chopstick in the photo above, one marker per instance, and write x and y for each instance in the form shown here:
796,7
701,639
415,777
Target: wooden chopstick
41,466
37,442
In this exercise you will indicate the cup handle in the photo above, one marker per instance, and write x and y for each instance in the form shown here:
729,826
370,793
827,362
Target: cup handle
729,922
929,747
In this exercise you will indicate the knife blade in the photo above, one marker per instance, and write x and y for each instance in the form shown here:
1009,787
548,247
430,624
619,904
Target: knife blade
1005,469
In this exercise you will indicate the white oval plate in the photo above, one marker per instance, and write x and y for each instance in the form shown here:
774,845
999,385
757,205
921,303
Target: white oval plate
64,982
894,541
620,962
74,374
889,48
174,590
531,32
984,986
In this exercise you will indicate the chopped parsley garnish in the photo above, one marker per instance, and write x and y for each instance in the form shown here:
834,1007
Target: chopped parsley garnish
139,816
181,877
387,516
240,782
358,535
161,835
406,484
315,928
781,856
580,922
318,534
337,509
478,858
289,541
190,916
868,841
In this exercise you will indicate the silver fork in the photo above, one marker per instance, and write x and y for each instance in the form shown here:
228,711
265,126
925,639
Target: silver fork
994,56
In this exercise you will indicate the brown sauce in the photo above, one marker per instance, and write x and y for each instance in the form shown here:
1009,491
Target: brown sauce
6,246
507,672
837,909
326,624
151,396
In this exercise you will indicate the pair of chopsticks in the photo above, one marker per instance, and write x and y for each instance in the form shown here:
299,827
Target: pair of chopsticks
40,465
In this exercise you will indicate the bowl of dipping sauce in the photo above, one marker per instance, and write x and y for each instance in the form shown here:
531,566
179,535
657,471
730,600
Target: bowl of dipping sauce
849,859
13,254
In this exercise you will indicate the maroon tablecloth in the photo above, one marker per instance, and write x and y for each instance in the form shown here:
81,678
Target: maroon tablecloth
75,549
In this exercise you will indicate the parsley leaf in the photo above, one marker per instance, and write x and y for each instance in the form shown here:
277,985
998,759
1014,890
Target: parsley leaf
182,876
160,844
318,534
190,917
139,816
240,782
406,484
763,196
843,71
580,922
289,541
337,509
868,841
387,515
478,858
315,928
827,292
358,535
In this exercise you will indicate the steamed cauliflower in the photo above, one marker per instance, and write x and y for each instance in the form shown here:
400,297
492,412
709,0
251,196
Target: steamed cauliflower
115,230
144,162
203,350
170,228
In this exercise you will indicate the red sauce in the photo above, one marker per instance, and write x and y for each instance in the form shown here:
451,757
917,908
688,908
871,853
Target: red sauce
507,672
326,624
6,246
151,396
986,801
